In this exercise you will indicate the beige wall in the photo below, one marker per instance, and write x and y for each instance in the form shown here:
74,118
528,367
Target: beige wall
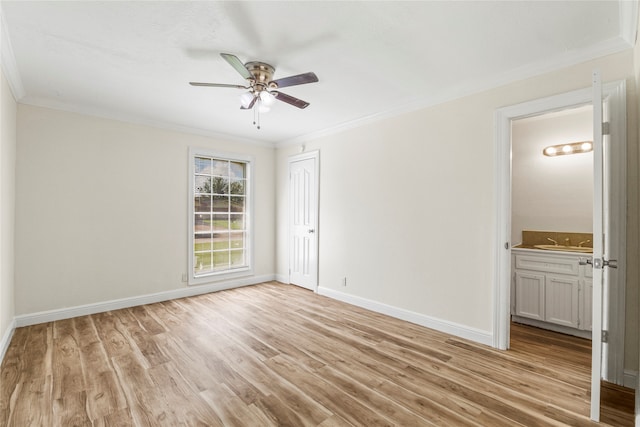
7,205
101,209
407,204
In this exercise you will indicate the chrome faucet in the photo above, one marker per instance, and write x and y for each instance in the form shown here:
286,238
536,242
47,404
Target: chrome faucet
553,241
583,242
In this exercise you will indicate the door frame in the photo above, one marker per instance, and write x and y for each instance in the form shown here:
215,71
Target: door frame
315,155
615,93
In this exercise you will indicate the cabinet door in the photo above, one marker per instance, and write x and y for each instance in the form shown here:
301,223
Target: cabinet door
530,295
561,300
585,307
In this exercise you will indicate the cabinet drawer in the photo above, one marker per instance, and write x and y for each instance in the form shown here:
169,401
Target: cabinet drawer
549,264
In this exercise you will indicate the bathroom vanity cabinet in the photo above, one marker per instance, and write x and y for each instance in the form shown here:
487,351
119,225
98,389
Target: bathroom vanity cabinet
552,290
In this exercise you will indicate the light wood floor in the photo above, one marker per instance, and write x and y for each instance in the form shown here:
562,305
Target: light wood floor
275,354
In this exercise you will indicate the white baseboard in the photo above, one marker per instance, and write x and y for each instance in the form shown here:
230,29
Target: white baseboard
461,331
282,278
6,339
100,307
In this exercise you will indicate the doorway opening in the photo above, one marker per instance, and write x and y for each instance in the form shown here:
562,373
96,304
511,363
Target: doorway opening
614,222
552,220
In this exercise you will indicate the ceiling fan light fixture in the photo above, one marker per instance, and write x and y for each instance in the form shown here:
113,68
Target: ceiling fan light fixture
246,98
263,108
266,98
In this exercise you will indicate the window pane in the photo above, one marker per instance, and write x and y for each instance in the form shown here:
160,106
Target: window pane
237,240
202,223
237,222
220,204
237,204
202,184
221,222
220,260
202,242
237,187
202,204
220,241
204,263
219,185
220,167
220,191
238,170
202,165
237,258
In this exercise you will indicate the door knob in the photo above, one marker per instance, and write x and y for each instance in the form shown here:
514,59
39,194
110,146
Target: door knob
599,263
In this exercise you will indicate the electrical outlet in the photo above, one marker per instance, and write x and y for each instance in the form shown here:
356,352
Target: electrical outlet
184,277
344,281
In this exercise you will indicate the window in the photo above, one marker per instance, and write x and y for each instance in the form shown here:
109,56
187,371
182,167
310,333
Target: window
220,215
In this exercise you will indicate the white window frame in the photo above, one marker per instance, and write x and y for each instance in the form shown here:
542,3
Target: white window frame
225,274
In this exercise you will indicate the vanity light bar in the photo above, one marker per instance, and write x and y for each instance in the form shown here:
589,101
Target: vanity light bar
571,148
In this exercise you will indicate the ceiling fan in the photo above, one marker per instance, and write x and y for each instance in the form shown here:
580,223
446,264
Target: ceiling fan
261,89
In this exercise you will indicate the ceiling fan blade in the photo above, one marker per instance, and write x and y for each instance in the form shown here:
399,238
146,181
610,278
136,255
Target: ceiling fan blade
251,104
237,64
290,99
217,85
299,79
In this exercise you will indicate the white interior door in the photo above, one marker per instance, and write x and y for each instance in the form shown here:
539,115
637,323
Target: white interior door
303,220
602,247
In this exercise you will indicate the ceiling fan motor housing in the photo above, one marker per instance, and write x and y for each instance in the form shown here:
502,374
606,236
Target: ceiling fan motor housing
262,75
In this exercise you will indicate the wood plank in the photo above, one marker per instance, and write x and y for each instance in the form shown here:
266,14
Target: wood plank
275,354
11,371
67,369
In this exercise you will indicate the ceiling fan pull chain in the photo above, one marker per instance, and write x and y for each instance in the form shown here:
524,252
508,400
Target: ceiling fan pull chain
256,113
254,116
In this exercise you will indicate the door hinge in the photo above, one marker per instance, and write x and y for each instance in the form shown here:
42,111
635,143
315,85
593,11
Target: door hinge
605,336
606,128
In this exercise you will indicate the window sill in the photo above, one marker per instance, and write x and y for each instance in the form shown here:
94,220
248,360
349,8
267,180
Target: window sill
220,276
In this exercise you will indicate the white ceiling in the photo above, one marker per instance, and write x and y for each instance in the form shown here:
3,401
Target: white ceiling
132,60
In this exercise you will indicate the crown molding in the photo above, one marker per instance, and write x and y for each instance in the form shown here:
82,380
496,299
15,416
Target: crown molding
131,119
8,61
602,49
628,10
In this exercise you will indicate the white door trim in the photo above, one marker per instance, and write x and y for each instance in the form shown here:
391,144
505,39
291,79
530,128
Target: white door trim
292,159
616,93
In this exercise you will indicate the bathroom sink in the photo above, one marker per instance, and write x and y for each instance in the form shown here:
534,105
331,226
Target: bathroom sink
564,248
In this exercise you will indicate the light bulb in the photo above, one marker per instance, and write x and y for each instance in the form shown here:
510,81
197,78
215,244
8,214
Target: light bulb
267,98
245,99
567,149
550,151
586,146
